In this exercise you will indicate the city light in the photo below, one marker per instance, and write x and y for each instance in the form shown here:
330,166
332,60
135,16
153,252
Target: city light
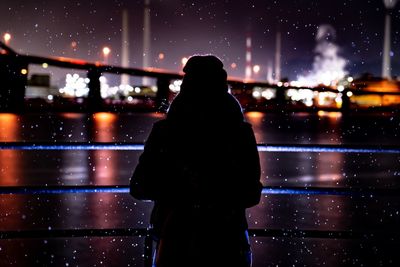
74,45
106,53
175,86
260,92
256,69
75,86
305,96
7,38
184,60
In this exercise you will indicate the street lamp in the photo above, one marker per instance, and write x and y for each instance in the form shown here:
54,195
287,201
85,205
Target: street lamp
7,38
160,61
106,52
256,69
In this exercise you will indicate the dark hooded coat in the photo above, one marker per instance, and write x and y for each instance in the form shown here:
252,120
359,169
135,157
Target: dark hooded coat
200,165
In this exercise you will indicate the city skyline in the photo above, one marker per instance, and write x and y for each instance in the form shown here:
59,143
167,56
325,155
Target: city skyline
182,28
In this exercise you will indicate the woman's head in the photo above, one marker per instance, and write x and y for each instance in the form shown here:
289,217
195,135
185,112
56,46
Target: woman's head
204,74
204,93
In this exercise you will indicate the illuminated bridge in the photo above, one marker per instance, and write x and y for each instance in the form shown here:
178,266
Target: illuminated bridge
253,95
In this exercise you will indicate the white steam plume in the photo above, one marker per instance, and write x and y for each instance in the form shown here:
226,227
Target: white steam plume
328,66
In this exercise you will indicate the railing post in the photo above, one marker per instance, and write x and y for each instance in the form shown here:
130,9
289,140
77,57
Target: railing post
94,96
162,93
280,96
148,250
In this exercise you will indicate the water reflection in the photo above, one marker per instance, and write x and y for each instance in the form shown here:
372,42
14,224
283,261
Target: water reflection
104,169
9,159
10,164
9,127
74,164
104,161
281,169
102,164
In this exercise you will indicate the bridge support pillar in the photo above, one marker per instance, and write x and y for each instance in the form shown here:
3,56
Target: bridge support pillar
13,81
280,97
95,102
345,101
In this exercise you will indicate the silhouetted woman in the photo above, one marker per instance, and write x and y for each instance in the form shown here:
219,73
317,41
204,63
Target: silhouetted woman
201,167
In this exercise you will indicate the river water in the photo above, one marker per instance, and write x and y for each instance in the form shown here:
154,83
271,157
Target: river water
109,210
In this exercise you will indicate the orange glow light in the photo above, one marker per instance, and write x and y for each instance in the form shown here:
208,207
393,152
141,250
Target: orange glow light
8,127
104,117
254,115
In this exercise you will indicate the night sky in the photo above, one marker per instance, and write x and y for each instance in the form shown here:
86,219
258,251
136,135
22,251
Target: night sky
181,28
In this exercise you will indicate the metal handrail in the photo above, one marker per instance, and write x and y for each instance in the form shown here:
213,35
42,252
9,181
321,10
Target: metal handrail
320,148
58,233
146,233
143,232
267,190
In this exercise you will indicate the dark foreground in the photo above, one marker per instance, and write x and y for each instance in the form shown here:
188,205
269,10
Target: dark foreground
367,214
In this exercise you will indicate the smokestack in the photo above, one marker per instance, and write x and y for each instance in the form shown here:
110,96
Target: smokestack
125,79
270,78
278,57
146,39
248,58
386,68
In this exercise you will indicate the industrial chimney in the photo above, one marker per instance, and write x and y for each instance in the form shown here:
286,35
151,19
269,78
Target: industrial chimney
386,68
248,70
146,39
125,47
278,57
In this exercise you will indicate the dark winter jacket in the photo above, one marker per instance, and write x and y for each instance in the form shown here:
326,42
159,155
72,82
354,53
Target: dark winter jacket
200,165
214,167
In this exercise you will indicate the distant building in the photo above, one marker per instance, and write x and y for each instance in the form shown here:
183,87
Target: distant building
368,83
39,87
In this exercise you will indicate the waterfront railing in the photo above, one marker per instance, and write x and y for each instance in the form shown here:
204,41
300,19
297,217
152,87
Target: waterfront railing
384,236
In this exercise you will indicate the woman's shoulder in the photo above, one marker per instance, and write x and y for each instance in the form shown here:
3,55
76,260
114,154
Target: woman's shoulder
164,127
246,126
160,125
